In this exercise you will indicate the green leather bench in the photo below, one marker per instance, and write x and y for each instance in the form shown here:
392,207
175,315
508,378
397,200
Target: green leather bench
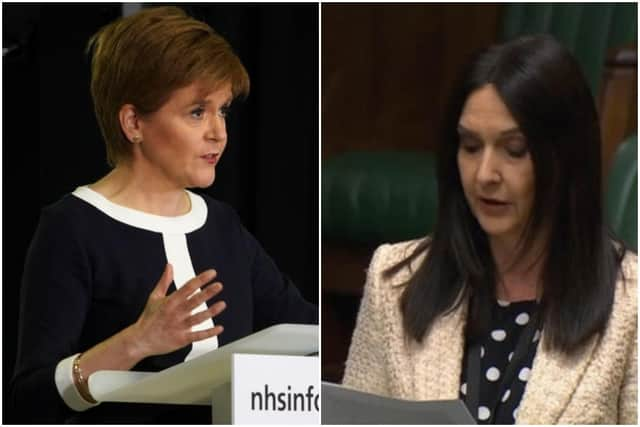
588,30
373,197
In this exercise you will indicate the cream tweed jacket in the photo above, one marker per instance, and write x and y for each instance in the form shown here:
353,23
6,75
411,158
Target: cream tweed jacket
597,386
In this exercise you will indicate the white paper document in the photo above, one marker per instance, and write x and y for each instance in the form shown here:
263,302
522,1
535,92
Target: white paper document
192,382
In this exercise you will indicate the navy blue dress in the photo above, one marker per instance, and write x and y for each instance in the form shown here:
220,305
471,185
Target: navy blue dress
88,276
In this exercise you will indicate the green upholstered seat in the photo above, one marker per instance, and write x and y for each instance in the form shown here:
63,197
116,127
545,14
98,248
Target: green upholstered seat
588,30
373,197
621,197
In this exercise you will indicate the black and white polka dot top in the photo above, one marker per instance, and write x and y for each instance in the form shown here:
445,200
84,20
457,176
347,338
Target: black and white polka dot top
508,321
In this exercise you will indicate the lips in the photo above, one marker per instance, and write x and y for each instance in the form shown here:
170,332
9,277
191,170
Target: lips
492,207
494,202
211,158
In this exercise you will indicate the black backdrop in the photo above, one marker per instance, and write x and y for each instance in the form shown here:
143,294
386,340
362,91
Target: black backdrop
51,142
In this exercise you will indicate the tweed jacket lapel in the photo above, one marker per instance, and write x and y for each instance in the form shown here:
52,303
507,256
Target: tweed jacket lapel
554,378
401,384
448,338
441,351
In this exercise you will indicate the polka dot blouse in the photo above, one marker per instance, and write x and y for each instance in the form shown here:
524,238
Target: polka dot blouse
508,321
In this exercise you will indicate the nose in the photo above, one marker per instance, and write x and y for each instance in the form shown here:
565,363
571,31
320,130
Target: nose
488,171
217,129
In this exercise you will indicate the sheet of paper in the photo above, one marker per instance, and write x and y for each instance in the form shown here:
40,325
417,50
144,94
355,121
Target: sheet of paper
192,382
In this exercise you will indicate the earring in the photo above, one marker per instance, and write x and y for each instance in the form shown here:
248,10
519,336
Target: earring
136,139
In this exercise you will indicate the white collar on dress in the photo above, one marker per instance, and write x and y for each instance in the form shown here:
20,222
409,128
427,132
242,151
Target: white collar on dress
182,224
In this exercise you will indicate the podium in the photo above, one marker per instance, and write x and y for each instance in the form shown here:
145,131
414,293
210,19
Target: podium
245,381
341,405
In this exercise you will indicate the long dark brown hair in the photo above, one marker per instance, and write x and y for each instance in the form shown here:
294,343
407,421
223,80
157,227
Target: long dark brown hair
544,89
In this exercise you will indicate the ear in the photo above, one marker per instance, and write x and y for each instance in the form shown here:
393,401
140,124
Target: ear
130,123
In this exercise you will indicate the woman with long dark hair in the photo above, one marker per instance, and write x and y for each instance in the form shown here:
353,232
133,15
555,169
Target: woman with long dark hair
521,303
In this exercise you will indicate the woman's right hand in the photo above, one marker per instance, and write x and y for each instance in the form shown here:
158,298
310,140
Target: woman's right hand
165,324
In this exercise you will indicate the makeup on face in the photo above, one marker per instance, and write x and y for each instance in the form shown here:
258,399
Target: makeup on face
186,137
495,167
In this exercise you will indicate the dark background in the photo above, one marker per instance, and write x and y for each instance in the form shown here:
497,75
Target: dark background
52,143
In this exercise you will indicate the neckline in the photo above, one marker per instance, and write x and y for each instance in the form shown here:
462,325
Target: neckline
181,224
510,304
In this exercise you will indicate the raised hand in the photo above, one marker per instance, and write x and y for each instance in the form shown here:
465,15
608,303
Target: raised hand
165,324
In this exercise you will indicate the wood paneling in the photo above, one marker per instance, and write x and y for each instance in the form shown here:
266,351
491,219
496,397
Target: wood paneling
387,70
344,272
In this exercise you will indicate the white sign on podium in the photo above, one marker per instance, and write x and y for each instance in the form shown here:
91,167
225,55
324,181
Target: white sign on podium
275,389
205,380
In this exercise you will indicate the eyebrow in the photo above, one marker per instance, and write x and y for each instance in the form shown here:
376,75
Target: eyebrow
199,101
204,101
509,132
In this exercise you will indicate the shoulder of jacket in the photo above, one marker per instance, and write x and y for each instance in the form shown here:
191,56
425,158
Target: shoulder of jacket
630,266
390,254
65,213
380,274
627,283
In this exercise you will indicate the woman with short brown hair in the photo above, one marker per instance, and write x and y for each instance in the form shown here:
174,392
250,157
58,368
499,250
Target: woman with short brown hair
91,298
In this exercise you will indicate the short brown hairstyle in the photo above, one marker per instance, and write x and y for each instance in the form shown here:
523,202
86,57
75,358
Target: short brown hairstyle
141,59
